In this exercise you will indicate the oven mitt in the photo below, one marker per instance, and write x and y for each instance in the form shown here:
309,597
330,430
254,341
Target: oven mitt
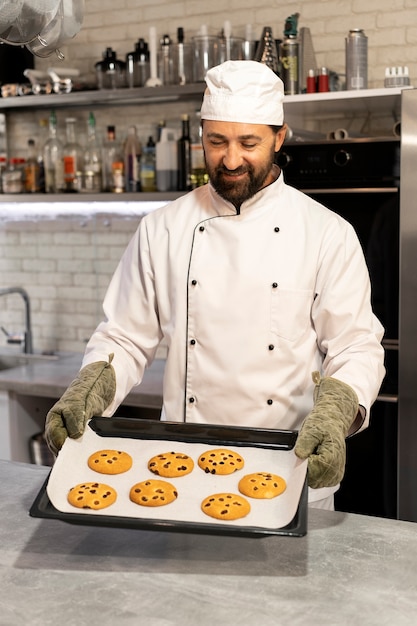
322,436
88,395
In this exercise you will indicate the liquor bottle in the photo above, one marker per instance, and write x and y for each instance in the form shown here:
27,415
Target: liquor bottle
199,174
113,163
72,158
31,169
148,167
43,136
52,158
91,176
132,152
159,129
184,156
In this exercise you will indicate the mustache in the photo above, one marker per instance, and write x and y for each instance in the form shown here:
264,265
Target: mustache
239,170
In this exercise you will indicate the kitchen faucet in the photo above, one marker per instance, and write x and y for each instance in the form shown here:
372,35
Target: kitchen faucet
27,339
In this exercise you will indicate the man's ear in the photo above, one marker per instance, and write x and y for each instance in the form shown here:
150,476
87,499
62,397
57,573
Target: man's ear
280,137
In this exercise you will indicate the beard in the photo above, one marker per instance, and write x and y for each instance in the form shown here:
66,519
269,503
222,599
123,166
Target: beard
239,191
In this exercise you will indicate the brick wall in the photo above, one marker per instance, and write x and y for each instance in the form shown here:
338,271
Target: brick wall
65,263
391,27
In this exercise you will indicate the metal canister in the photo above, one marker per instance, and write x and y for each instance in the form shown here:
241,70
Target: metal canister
356,59
289,57
289,53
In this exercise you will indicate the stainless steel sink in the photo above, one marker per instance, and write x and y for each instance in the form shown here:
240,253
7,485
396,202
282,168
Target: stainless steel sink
9,361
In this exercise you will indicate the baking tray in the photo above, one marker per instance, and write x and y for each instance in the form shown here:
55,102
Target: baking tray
222,436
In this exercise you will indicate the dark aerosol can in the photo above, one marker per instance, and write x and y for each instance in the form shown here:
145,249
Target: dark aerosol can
289,52
356,59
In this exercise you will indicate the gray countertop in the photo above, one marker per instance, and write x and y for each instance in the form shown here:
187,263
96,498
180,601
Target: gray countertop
50,378
349,569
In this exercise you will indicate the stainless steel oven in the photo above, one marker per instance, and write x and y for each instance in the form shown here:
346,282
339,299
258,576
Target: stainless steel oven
360,180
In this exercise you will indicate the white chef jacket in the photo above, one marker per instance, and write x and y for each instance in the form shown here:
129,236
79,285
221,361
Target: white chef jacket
249,304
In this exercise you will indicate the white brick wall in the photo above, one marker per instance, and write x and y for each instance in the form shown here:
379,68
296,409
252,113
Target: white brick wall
390,26
65,265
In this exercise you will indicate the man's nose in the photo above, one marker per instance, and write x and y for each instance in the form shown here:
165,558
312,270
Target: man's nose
233,158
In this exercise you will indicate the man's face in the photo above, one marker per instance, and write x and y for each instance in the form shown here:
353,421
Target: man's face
239,157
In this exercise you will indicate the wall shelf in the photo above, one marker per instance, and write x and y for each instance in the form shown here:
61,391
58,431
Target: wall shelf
376,101
105,97
381,100
299,111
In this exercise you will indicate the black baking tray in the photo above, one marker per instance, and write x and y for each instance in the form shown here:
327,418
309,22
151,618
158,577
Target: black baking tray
189,433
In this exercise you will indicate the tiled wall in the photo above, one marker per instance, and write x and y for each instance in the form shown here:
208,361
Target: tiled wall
66,263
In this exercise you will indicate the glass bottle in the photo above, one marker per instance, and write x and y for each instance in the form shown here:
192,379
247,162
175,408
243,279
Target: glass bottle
91,177
148,167
72,158
199,174
31,169
132,152
267,51
52,158
3,166
43,136
184,156
113,163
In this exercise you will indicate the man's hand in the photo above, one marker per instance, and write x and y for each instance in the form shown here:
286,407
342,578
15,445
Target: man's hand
89,394
323,433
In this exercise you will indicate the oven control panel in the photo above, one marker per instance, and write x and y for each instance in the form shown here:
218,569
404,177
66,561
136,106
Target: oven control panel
341,163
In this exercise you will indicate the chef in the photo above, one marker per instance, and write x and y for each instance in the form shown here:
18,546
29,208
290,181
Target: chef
260,294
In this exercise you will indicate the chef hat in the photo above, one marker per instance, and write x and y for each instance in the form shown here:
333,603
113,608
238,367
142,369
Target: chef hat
243,91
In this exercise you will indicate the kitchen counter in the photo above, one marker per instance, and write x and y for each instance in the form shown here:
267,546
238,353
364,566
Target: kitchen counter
28,391
50,377
349,569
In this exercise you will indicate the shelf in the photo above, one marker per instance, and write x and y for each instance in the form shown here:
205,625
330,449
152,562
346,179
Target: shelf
344,103
90,198
105,97
318,104
17,207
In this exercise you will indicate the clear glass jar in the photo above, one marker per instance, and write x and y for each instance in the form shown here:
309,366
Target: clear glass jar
110,72
13,180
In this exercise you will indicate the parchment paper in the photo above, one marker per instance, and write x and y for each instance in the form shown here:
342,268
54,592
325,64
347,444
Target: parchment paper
71,468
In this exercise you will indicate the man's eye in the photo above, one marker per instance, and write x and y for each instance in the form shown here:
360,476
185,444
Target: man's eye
249,146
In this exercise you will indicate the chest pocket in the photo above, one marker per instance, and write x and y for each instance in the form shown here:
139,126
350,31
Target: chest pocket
291,312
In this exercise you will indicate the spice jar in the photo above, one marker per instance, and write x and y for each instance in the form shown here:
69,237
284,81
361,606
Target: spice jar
13,176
